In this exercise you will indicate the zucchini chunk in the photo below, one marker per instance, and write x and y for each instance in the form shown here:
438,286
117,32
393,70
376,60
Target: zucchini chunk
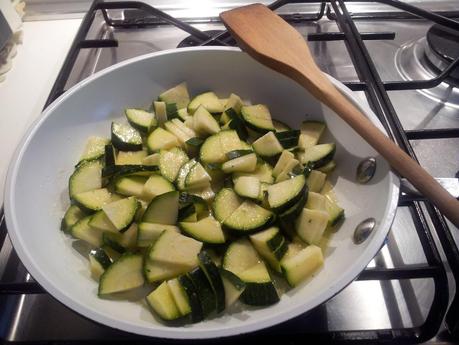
204,123
302,265
87,176
213,276
267,145
150,232
247,186
162,303
195,304
319,155
204,291
284,194
315,201
207,230
258,118
225,203
126,138
93,200
248,217
121,213
130,185
180,297
316,181
94,149
263,171
271,246
246,163
83,231
124,274
140,119
285,157
208,100
163,209
98,262
311,131
175,249
197,177
161,139
311,225
233,285
154,186
170,162
259,288
178,95
130,157
211,150
71,217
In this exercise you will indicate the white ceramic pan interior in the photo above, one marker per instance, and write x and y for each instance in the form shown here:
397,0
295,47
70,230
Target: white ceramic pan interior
37,196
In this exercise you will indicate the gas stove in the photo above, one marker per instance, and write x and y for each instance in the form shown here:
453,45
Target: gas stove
401,60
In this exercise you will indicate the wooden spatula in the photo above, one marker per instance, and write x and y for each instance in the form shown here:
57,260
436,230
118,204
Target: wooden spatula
274,43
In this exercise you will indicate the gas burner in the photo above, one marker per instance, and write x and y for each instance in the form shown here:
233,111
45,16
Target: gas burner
192,41
443,48
413,62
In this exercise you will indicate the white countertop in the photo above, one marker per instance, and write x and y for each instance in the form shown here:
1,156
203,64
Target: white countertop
27,85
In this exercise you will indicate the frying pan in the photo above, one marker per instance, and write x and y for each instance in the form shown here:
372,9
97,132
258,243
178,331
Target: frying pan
37,196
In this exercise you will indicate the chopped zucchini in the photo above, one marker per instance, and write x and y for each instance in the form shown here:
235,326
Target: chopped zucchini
122,212
259,288
170,162
163,209
329,167
177,94
233,286
315,201
213,276
211,150
335,212
263,171
100,221
294,211
204,291
161,139
286,173
180,297
176,249
319,155
267,145
234,102
316,181
195,304
98,262
87,176
248,217
155,271
94,149
246,163
302,265
93,200
71,217
258,118
83,231
126,138
284,194
247,186
208,100
285,157
124,274
311,225
225,203
130,185
140,119
130,157
154,186
197,177
204,123
207,230
149,232
270,245
280,126
162,303
311,132
240,256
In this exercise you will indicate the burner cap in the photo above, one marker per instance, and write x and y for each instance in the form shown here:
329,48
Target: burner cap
442,49
444,42
192,41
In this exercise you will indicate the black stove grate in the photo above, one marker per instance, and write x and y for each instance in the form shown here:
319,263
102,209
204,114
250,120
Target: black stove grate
138,14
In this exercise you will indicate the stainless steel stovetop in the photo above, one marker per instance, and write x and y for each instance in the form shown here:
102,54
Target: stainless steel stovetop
363,305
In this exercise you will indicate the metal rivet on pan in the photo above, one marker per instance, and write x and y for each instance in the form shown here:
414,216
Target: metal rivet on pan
366,170
363,230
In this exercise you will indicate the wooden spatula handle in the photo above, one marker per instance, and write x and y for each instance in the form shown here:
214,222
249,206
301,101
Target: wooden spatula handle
396,157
